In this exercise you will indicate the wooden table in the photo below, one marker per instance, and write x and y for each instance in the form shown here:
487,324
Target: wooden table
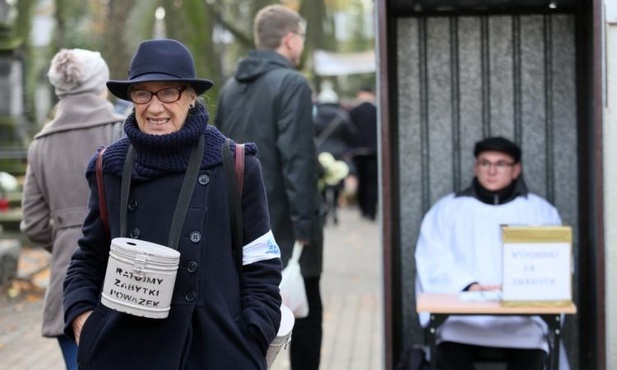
440,306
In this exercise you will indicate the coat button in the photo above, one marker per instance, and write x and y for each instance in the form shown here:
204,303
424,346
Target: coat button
190,296
203,179
192,267
135,233
195,236
132,205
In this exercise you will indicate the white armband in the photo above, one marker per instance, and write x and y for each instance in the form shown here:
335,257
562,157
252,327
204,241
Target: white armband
261,249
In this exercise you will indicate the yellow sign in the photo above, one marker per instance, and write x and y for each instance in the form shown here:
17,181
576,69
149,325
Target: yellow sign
537,265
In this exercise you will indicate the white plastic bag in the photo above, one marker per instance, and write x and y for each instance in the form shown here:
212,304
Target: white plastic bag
292,287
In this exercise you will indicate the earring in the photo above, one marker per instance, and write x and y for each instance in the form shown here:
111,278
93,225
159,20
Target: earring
191,106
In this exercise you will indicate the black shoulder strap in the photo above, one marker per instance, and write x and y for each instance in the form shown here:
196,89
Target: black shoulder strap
184,198
234,173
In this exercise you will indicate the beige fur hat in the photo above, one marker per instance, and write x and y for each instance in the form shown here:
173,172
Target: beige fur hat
78,71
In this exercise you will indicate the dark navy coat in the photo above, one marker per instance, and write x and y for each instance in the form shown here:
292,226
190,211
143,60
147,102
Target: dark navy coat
219,318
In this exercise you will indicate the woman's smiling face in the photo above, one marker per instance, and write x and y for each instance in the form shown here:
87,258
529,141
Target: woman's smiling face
156,117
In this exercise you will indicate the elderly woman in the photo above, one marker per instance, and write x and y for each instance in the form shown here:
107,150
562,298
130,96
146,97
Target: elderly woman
221,316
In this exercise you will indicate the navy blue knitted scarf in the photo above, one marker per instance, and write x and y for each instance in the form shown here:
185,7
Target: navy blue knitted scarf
156,155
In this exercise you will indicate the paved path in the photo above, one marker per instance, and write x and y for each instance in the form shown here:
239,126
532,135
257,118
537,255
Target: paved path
352,299
352,296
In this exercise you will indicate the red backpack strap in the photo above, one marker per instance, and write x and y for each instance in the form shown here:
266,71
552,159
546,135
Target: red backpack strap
239,165
234,174
101,191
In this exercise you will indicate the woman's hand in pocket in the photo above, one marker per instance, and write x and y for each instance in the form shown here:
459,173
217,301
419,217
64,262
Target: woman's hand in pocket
78,324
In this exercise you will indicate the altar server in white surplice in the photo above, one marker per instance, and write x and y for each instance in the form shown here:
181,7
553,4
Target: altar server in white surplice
459,249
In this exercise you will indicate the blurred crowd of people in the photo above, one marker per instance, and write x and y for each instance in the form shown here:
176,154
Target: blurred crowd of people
349,133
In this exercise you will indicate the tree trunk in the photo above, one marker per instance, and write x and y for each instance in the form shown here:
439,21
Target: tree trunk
115,51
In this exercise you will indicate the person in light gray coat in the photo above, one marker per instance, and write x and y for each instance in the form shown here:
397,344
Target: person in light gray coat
55,195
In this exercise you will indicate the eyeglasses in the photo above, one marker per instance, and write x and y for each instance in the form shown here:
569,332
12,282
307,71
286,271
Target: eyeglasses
302,35
500,166
167,95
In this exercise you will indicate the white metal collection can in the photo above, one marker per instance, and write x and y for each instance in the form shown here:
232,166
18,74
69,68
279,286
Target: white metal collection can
140,278
283,337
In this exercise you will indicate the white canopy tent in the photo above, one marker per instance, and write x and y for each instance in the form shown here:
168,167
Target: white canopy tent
336,64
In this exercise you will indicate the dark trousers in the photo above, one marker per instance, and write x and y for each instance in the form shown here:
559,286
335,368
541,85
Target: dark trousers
458,356
366,165
330,195
305,346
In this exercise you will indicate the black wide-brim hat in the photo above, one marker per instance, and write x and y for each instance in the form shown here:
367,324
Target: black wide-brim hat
161,61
